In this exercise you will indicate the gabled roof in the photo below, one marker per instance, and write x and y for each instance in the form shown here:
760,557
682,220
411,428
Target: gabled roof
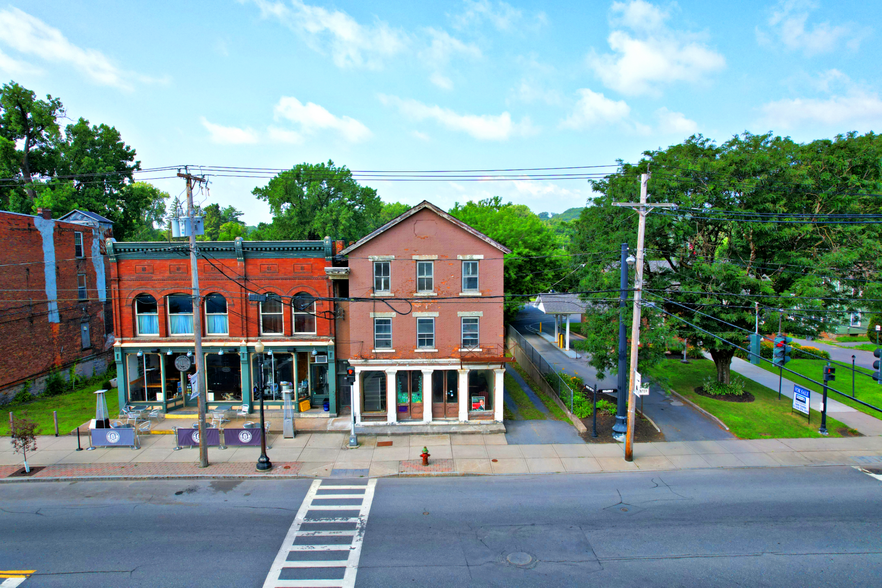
560,304
89,216
425,204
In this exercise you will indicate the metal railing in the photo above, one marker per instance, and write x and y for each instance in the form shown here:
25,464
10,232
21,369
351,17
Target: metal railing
547,372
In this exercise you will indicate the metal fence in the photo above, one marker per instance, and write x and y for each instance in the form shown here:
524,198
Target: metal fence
545,370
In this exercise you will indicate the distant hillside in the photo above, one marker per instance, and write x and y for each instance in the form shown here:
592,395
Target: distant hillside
565,216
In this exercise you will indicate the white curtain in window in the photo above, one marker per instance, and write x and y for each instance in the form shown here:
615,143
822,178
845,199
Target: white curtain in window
181,324
148,324
217,324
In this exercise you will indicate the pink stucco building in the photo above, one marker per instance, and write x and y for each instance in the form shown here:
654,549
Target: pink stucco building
424,327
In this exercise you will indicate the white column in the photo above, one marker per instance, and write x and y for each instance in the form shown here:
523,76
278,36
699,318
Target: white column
568,332
498,394
556,337
391,399
356,396
427,396
463,395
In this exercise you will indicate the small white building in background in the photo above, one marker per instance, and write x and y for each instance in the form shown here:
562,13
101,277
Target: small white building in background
561,306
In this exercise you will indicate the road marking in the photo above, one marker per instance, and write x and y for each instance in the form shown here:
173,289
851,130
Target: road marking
301,544
869,473
14,578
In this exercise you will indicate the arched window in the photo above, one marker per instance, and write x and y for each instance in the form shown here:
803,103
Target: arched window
180,314
303,305
147,317
272,319
216,315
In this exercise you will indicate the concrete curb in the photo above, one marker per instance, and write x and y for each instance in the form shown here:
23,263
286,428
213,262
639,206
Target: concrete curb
643,414
699,409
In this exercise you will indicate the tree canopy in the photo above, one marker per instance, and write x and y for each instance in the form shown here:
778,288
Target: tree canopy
752,227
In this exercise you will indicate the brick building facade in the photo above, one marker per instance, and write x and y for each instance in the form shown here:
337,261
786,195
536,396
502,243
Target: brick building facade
153,311
424,326
54,303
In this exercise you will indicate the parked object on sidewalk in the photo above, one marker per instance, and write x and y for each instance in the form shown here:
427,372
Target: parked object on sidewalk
425,455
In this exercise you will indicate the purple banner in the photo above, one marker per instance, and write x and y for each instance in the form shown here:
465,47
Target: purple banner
242,436
123,437
190,437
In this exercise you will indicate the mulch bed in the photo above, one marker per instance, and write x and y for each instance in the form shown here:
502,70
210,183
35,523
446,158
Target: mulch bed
746,397
644,431
846,432
21,473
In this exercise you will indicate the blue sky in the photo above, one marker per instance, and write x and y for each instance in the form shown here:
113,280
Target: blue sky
471,84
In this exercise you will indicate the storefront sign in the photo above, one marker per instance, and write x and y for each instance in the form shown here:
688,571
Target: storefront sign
478,403
182,363
801,398
123,437
190,437
242,436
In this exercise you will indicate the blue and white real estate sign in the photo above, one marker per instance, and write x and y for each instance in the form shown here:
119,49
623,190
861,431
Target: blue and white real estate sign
801,398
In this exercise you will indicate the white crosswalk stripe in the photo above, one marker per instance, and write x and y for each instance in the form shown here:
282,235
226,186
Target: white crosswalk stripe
314,552
11,582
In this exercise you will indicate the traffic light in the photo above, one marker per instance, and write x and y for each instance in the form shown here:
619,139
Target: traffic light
781,350
829,373
350,376
877,365
755,339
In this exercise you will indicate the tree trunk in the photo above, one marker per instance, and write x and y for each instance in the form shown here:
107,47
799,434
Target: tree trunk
723,362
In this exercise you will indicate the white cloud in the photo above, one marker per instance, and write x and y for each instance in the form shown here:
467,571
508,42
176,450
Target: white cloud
278,135
421,136
350,43
229,135
675,123
502,16
313,118
442,48
594,109
788,24
441,81
647,54
857,108
13,66
485,127
29,35
530,92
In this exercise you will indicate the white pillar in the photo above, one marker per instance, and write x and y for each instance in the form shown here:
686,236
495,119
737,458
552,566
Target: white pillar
427,396
498,394
356,396
568,332
391,399
463,395
556,337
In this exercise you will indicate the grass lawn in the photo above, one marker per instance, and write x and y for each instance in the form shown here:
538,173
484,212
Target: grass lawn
555,410
526,408
851,339
74,409
764,418
865,388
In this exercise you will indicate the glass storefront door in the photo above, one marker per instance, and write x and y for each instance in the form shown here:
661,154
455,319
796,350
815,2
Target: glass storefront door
444,394
409,394
177,385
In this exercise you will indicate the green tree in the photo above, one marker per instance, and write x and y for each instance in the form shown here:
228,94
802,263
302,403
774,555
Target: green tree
710,261
537,260
229,231
151,223
392,210
313,201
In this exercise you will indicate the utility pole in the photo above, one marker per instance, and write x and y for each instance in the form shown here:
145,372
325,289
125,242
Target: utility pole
643,208
197,317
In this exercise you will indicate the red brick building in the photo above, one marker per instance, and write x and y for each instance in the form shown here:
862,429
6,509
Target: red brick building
54,304
153,311
424,329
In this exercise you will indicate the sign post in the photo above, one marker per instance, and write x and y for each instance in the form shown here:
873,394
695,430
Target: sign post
802,400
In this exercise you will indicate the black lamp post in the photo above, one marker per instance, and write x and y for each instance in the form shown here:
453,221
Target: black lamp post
621,426
263,462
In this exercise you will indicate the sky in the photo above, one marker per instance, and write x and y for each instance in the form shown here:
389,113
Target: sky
455,85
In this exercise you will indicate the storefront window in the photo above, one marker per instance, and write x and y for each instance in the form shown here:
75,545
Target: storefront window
176,382
444,386
481,390
373,385
278,369
224,375
145,377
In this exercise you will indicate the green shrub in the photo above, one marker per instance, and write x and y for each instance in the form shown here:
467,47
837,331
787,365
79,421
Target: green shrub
871,326
55,385
606,406
813,350
105,385
581,406
714,388
24,395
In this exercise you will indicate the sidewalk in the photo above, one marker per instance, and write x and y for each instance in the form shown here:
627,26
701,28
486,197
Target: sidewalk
864,423
326,455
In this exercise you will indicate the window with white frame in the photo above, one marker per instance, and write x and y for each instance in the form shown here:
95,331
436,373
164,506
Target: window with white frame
470,276
216,318
470,332
425,333
382,333
146,315
79,250
425,276
180,314
382,276
272,318
304,312
81,287
855,319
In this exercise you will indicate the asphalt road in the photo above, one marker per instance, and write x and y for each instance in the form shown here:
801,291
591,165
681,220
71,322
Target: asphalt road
758,527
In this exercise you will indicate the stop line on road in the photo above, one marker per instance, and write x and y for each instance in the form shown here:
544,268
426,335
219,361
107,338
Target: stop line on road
14,578
323,545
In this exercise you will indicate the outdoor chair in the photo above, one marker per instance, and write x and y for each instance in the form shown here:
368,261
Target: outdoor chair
242,411
155,414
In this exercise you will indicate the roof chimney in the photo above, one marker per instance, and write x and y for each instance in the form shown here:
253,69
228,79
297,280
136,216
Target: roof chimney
46,213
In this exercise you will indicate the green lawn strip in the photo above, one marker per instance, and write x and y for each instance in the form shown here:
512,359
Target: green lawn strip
851,339
764,418
526,408
555,410
508,415
865,388
74,409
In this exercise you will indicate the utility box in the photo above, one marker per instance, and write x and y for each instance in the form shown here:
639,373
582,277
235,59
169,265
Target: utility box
180,227
288,412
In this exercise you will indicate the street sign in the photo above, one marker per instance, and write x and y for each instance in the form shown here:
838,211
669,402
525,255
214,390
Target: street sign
801,398
638,381
182,362
642,390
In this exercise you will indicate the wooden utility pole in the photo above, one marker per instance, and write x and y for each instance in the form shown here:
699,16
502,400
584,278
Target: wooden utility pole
197,317
642,209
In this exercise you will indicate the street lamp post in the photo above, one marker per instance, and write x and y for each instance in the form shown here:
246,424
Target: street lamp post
263,462
621,425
